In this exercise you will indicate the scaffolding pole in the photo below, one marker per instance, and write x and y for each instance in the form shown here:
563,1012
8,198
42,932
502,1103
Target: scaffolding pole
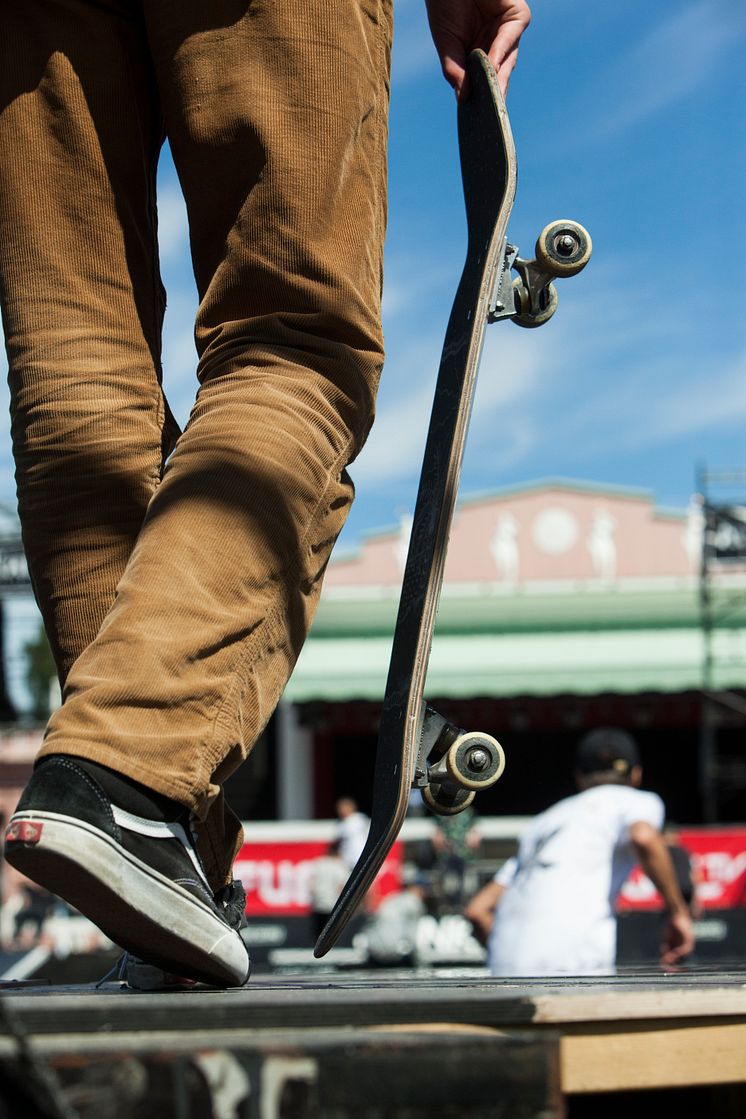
709,768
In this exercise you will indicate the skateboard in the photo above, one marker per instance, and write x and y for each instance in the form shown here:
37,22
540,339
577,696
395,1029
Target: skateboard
417,746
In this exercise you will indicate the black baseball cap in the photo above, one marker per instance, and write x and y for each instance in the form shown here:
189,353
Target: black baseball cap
607,750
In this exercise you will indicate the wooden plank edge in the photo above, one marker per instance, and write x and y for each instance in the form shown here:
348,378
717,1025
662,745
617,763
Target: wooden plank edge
662,1055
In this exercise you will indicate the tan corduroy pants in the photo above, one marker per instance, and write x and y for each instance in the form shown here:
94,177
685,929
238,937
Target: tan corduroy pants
177,574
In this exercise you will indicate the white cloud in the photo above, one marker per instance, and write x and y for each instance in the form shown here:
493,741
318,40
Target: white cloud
513,365
394,448
413,287
179,354
633,371
673,60
711,397
619,372
173,229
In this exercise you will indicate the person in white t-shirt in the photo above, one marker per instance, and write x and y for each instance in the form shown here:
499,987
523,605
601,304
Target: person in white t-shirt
352,830
327,877
550,911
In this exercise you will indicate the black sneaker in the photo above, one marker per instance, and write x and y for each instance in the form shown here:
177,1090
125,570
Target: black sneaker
123,856
140,975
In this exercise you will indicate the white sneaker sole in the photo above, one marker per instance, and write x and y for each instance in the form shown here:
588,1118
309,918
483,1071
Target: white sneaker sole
135,905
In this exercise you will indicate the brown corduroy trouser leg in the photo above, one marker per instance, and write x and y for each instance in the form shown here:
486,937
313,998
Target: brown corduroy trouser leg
177,594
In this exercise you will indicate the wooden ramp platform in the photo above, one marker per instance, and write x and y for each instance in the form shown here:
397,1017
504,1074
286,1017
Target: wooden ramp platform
394,1046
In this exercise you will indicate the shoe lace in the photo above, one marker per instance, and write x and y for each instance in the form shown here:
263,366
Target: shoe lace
231,900
118,971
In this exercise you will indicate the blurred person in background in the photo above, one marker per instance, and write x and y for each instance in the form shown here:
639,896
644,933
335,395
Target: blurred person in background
390,932
328,875
352,830
550,911
455,846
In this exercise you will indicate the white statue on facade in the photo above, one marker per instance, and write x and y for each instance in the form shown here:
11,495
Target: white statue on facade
694,529
504,548
401,547
601,545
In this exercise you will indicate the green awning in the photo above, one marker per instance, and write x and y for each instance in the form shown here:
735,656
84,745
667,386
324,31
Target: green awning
578,662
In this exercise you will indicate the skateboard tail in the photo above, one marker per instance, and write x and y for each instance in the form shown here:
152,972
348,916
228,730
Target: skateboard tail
364,875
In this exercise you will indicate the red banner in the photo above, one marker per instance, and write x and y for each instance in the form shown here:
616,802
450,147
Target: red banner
276,876
718,858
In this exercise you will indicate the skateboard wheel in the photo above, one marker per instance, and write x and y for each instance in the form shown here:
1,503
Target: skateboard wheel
521,298
563,248
444,803
547,305
475,761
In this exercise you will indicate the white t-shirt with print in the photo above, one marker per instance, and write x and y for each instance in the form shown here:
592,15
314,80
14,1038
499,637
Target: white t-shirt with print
352,833
556,916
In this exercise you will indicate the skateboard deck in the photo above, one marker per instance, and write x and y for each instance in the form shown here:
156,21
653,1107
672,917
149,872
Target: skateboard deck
409,731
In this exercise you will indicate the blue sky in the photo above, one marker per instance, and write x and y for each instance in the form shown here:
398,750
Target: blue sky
635,126
629,118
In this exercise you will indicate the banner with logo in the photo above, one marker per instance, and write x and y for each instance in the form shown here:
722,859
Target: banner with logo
277,876
718,858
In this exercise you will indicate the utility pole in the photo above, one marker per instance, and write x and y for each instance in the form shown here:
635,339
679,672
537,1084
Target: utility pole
707,728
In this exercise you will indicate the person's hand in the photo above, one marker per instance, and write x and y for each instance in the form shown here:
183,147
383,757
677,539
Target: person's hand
678,939
458,26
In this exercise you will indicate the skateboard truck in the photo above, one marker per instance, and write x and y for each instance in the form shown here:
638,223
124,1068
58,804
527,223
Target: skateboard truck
452,764
563,249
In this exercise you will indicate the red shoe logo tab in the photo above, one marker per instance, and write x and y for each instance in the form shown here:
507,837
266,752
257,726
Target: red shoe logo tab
24,831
